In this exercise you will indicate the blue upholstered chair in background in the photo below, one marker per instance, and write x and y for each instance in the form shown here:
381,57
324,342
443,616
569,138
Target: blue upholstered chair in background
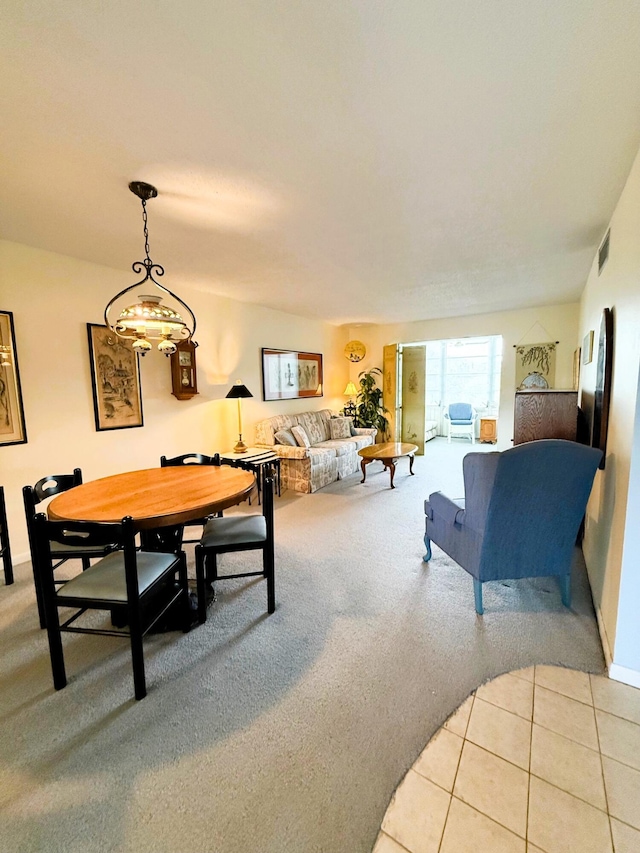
520,515
461,420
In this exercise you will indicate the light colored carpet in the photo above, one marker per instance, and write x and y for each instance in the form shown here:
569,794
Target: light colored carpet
280,734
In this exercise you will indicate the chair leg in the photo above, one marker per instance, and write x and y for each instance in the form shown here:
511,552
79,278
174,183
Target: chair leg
211,563
86,563
268,562
184,585
137,653
5,547
427,545
52,624
39,596
200,582
477,591
565,589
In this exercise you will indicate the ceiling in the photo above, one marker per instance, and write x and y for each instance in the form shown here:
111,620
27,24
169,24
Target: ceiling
350,160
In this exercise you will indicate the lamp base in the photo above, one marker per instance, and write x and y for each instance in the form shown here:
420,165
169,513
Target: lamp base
240,447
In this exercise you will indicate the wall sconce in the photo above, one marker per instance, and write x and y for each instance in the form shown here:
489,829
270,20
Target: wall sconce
149,320
237,392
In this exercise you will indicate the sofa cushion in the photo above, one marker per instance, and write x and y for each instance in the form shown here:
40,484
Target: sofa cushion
339,446
301,437
340,428
313,425
285,436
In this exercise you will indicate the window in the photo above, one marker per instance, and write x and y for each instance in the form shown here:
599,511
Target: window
464,370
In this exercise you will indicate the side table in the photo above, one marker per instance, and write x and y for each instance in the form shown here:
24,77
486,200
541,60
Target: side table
488,430
259,458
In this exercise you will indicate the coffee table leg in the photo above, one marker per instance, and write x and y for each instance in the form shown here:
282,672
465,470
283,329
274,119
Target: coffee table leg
391,465
411,465
363,465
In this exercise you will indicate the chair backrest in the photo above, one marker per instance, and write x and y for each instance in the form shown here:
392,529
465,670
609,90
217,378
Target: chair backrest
268,490
537,503
189,459
52,485
45,488
85,534
460,411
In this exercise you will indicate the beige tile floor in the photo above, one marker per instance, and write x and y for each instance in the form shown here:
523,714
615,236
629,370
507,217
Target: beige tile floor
542,760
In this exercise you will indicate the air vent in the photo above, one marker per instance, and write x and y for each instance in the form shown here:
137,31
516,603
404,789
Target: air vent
603,252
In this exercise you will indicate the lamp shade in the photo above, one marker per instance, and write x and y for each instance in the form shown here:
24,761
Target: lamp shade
238,390
350,390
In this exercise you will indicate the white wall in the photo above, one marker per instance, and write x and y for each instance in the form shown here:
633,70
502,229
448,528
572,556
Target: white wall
531,325
609,528
53,297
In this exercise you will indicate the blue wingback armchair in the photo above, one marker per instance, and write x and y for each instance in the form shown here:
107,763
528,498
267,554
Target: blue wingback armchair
461,420
520,515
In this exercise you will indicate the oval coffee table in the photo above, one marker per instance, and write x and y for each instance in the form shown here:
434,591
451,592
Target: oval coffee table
387,453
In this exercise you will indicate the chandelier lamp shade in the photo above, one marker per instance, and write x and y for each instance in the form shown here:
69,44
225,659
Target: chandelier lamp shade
237,392
148,319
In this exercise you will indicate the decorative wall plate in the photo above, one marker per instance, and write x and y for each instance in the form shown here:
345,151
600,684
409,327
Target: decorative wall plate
355,351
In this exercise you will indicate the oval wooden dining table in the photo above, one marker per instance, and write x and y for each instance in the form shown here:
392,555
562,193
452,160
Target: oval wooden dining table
155,497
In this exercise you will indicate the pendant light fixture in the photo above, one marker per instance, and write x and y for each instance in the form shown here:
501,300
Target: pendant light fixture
148,319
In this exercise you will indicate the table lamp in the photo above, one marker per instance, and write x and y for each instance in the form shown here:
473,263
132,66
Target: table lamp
350,391
237,392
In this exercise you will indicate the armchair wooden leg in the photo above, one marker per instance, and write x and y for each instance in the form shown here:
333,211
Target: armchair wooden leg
477,591
427,545
565,589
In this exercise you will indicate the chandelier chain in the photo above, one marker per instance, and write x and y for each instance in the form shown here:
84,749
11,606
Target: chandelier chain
146,229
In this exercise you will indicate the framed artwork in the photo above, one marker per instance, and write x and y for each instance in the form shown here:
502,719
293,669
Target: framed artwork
287,375
602,396
587,348
115,376
12,426
576,369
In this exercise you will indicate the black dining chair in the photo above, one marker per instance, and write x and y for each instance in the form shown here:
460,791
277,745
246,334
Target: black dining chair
144,583
191,459
45,488
5,547
238,533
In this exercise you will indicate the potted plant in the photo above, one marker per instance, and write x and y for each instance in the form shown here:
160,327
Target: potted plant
369,408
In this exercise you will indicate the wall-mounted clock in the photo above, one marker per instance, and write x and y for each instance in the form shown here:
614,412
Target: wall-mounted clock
355,351
184,382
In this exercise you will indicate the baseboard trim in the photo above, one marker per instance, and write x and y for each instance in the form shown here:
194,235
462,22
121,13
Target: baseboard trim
16,559
606,648
624,674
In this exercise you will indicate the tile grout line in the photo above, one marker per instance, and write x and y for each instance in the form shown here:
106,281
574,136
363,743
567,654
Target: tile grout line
604,784
453,784
395,840
533,710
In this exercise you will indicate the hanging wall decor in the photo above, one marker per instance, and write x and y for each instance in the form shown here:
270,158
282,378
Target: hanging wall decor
115,375
535,366
12,426
287,375
602,396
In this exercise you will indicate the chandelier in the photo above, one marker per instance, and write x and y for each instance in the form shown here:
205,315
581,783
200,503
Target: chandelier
148,319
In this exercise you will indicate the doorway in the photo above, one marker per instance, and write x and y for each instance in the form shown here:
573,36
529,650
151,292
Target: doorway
434,374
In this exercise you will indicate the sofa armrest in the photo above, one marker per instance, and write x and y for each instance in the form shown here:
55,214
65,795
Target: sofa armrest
366,431
285,451
449,510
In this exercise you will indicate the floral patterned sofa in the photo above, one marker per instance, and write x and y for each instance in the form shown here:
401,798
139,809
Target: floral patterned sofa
307,469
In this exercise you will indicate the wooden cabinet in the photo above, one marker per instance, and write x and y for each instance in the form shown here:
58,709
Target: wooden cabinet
545,414
488,430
